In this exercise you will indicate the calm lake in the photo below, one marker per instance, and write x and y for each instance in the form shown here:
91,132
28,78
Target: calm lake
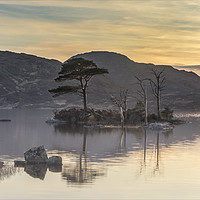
99,163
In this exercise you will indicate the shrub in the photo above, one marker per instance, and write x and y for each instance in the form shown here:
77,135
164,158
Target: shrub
167,114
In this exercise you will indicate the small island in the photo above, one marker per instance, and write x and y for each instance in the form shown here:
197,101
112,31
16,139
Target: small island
79,71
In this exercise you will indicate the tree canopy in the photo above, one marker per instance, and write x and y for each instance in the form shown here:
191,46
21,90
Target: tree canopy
82,71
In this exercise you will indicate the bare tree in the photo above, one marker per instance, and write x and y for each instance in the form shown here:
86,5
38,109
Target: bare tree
142,92
123,97
157,87
121,102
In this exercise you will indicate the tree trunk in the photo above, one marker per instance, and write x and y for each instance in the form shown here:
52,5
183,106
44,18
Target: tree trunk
146,110
146,106
122,117
125,112
158,106
85,100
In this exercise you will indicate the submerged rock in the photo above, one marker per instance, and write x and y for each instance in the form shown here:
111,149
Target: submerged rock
36,155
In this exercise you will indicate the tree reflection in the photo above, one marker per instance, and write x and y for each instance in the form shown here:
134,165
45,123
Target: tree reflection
143,161
7,171
145,145
151,161
67,128
72,129
166,134
157,151
82,172
122,145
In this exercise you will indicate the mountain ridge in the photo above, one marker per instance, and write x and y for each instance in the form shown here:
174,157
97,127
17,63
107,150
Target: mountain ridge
26,79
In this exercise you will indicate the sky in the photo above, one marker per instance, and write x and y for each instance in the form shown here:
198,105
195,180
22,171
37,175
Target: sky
148,31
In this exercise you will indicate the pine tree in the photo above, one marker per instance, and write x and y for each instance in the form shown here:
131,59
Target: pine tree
82,71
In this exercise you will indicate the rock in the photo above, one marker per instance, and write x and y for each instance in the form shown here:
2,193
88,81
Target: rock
55,160
5,120
160,126
19,163
36,162
36,155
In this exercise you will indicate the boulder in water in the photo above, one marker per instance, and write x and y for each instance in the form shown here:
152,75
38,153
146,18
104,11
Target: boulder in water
36,155
160,126
55,160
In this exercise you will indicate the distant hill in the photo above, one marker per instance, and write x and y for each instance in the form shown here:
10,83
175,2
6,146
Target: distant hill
25,80
182,89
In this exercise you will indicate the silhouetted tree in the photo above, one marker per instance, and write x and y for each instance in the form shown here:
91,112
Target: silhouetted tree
121,102
136,115
167,114
78,69
142,92
157,86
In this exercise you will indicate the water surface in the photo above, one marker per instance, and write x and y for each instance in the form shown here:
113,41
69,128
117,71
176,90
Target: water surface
99,163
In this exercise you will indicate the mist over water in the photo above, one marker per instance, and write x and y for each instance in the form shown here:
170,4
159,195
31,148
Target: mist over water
101,163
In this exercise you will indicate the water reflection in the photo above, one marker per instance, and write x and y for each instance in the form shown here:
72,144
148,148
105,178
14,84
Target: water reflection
7,171
122,146
36,170
117,148
66,128
145,145
74,129
151,164
82,172
91,151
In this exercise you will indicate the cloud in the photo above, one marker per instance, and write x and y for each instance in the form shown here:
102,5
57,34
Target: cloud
161,32
57,13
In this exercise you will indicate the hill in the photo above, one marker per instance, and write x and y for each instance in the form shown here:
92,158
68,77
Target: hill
25,80
182,90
